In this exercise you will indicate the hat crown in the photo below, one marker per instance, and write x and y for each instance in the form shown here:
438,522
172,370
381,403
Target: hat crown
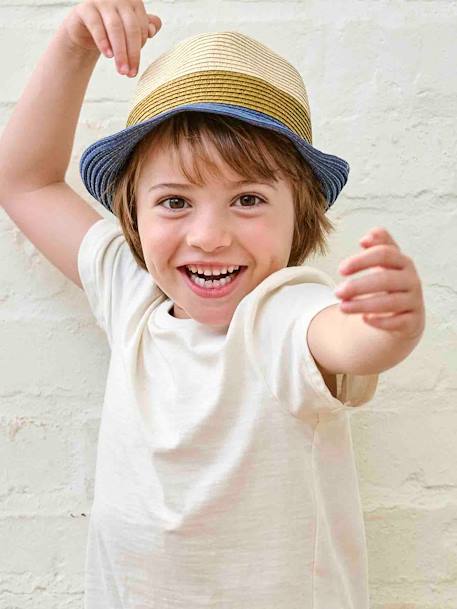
230,52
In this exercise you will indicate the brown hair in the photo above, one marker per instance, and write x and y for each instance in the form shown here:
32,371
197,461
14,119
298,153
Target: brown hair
253,152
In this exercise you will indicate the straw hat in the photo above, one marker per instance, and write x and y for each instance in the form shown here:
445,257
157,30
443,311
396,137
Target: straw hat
225,73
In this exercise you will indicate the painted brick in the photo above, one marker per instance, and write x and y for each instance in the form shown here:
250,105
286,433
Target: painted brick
382,89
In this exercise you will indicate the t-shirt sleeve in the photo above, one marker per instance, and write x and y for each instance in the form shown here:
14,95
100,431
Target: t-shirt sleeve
352,389
279,323
110,275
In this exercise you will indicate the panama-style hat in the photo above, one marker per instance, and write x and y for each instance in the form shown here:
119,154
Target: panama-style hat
225,73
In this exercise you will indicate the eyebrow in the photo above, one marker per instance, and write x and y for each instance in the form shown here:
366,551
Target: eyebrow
185,185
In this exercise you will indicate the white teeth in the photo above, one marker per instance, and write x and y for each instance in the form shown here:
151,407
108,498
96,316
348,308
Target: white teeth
211,284
210,271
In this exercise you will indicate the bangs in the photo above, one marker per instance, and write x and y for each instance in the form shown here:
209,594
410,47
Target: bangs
193,138
244,152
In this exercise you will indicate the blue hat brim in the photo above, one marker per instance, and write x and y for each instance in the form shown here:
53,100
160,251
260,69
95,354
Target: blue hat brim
102,162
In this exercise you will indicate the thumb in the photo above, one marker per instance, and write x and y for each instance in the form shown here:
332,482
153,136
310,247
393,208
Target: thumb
154,23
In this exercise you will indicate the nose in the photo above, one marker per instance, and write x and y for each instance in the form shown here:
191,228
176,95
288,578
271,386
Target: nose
209,231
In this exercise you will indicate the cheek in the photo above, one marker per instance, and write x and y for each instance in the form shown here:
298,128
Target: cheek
156,239
273,235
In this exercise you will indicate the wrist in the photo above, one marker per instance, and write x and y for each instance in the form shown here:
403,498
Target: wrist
73,50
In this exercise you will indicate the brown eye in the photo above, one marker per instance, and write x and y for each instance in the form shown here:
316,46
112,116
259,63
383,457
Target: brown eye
245,198
172,203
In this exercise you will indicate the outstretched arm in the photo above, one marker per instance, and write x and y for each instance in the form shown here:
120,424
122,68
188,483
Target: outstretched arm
343,338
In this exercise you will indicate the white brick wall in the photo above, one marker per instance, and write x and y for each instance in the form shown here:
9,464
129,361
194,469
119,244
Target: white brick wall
382,84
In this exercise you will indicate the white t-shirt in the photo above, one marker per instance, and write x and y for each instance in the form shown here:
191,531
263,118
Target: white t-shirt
225,475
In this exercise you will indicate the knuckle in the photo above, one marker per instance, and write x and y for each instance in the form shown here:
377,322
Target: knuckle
131,21
385,252
386,275
134,28
381,278
144,28
114,24
128,13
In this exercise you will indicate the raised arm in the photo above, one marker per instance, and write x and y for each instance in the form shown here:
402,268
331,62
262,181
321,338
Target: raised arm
36,144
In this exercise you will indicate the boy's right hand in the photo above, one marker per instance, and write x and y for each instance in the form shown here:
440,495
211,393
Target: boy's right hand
116,28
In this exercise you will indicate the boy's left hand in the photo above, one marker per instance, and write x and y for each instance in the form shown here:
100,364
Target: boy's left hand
395,301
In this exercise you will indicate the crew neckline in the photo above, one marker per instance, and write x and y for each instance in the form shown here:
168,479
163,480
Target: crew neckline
165,319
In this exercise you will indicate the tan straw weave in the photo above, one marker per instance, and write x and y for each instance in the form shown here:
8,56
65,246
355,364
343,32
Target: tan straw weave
223,67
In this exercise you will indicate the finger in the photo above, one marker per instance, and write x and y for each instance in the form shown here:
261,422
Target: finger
400,321
133,38
94,23
143,22
116,34
397,302
152,30
155,23
384,280
379,255
378,235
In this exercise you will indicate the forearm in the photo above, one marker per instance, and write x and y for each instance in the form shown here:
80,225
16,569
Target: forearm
370,350
36,144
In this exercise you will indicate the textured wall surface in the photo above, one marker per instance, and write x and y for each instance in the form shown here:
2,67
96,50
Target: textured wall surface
382,85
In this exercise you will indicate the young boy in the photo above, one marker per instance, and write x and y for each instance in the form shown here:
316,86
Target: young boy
225,473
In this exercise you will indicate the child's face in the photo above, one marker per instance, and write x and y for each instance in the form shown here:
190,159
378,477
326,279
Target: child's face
213,223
